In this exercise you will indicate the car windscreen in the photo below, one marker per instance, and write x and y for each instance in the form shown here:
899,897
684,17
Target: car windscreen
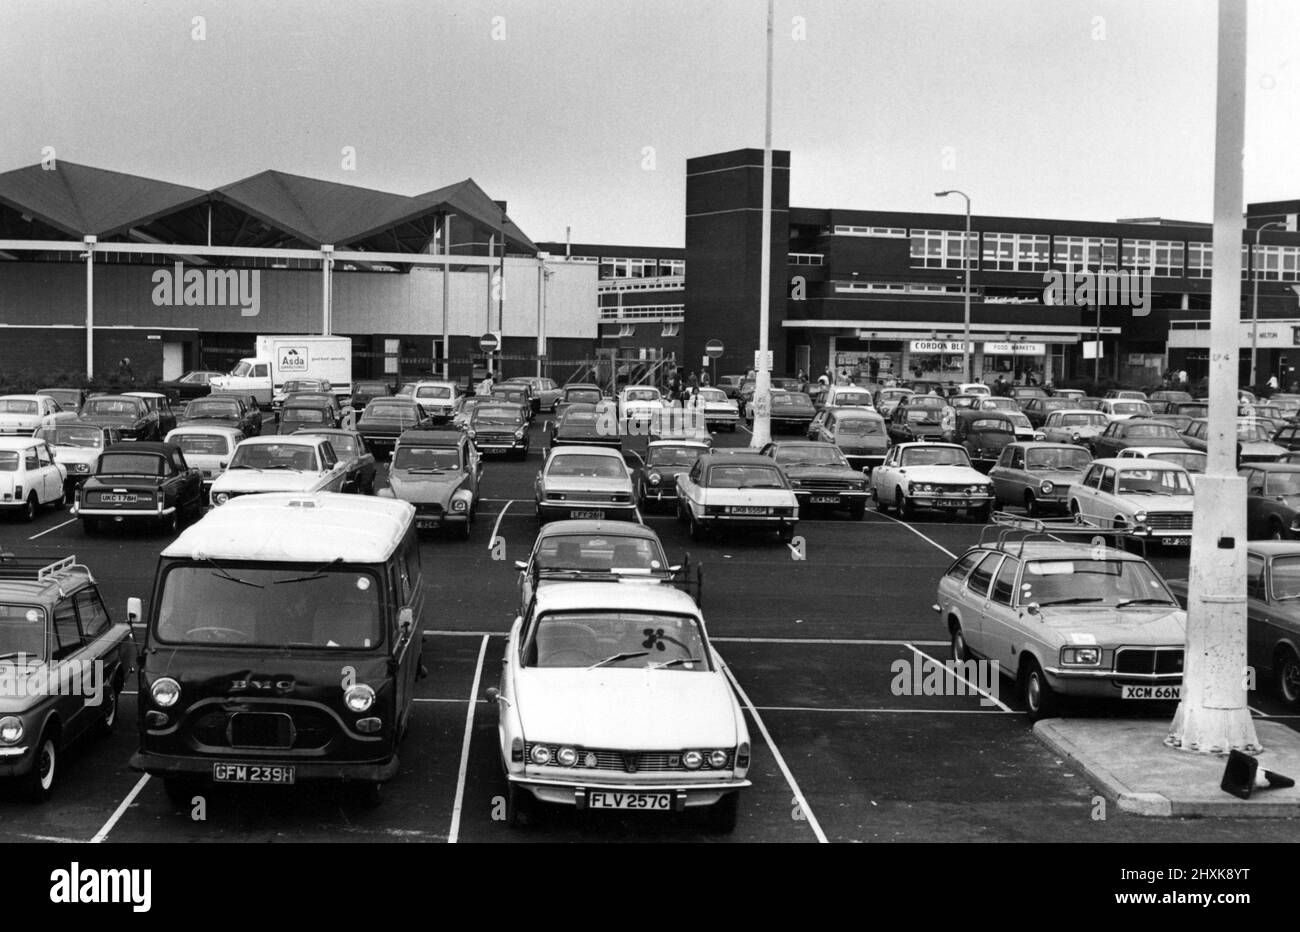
673,456
717,396
1058,459
390,412
202,444
223,410
8,460
1081,420
919,415
938,456
371,388
1252,433
1130,407
582,396
1282,483
1154,482
993,425
1007,404
509,417
810,454
433,391
291,456
578,418
99,407
585,465
90,437
859,426
744,476
285,605
1084,581
598,553
642,395
1019,420
1191,460
630,640
344,445
22,632
18,406
1152,432
131,464
852,398
426,459
303,415
798,398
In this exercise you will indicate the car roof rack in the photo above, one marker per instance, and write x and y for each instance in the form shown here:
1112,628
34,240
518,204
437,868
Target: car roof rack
1013,530
689,577
38,568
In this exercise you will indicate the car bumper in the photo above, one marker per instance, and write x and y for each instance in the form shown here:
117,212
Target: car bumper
651,494
685,794
1104,684
122,512
763,522
867,460
806,497
428,522
951,502
600,511
17,761
166,765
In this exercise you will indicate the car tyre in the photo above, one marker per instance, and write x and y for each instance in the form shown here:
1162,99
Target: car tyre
1286,676
519,806
38,784
1275,530
698,532
30,507
903,506
723,815
1040,700
982,514
106,724
467,525
172,523
682,515
960,651
1031,505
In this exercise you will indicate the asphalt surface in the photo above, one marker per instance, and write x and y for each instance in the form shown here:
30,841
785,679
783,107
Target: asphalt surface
812,643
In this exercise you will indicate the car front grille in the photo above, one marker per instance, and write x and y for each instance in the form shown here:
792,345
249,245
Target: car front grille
1149,660
828,485
428,508
1170,521
630,761
960,489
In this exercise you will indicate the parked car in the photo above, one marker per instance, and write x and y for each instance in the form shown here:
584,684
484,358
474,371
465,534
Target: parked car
638,407
249,402
436,398
792,411
738,490
158,403
1022,393
517,393
1272,501
76,447
69,399
131,416
1074,425
1125,394
887,399
583,393
384,420
23,414
720,411
1037,409
359,466
1194,409
54,628
572,551
141,482
1178,422
919,417
193,384
969,402
1167,395
1001,403
860,434
229,412
1074,393
1191,460
340,415
655,481
983,434
1065,619
297,463
569,734
437,471
309,414
366,390
584,482
465,406
499,427
293,386
1145,498
1133,432
545,393
1037,476
1118,409
1256,447
30,477
931,475
208,448
821,476
730,384
585,425
845,396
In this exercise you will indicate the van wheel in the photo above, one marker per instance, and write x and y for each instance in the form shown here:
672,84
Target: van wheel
28,513
38,785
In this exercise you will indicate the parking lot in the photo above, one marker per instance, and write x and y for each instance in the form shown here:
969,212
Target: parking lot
813,637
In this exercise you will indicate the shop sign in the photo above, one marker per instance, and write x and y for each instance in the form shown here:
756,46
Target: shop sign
938,346
1015,349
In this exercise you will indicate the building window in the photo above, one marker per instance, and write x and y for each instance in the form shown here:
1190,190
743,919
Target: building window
1017,252
1278,263
628,268
941,249
1085,253
671,330
1200,260
885,232
1159,257
806,258
672,266
626,330
644,312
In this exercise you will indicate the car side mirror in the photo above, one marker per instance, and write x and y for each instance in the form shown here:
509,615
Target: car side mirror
405,620
134,609
1033,608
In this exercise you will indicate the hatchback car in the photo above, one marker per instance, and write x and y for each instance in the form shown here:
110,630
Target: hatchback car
297,414
297,463
229,412
939,476
23,414
69,399
437,471
497,426
737,490
545,393
1272,501
131,416
655,481
436,399
984,434
30,477
1038,476
1074,425
919,417
584,482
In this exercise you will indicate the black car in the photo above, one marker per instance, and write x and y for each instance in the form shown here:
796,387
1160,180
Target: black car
582,393
191,385
249,401
226,412
69,399
140,482
983,433
297,414
130,415
384,420
821,476
655,481
365,391
500,428
917,417
589,425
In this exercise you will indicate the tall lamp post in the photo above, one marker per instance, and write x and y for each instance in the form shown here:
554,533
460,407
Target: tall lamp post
446,285
1254,302
965,262
762,433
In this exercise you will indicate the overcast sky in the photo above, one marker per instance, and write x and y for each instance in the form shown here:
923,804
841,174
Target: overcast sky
582,113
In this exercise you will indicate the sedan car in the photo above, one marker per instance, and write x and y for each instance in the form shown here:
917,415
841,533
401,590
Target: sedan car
1272,501
131,416
359,466
160,405
1134,432
655,481
76,447
366,390
499,427
516,393
296,463
568,551
730,384
69,399
1145,498
721,411
1038,409
1256,447
23,414
821,476
1118,409
859,433
983,434
248,401
1065,619
385,419
228,412
465,406
1074,425
190,385
30,477
436,399
931,475
587,720
791,411
583,393
545,393
1037,476
584,424
140,482
293,386
208,448
736,490
638,407
1194,461
887,399
584,482
297,414
919,417
437,471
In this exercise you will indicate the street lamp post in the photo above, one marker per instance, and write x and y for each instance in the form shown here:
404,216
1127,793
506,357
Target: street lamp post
446,285
762,433
965,262
1254,302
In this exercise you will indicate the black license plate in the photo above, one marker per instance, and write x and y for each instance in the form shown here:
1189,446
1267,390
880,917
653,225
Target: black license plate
253,773
825,500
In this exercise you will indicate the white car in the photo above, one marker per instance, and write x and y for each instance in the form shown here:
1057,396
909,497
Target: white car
29,476
611,697
974,388
292,463
1145,497
1120,409
931,475
1074,425
76,448
436,399
1192,460
584,482
737,490
208,449
1024,429
23,414
639,408
719,410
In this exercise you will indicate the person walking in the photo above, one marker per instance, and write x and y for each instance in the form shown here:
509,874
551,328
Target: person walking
485,387
125,373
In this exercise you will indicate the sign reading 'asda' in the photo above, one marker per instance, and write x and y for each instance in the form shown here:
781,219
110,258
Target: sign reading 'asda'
178,286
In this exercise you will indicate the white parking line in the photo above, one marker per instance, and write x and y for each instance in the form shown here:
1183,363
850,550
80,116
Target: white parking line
121,809
780,761
454,834
855,641
924,537
805,708
496,527
55,528
953,673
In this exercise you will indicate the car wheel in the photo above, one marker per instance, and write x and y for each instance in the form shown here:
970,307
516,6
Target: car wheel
1075,512
682,515
466,525
1031,505
723,814
541,518
697,529
1040,700
960,652
29,509
38,785
903,506
519,805
1286,675
180,791
172,523
59,502
982,514
786,534
858,509
109,721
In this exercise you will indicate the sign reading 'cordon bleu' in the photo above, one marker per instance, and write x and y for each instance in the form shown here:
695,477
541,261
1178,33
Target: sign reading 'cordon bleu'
178,286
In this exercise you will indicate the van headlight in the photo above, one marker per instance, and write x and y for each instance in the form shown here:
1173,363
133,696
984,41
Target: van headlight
359,697
1046,488
165,692
11,729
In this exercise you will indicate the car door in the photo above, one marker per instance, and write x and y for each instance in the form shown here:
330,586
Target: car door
1000,625
1262,629
51,476
333,475
1005,476
189,480
1085,493
101,646
69,653
883,478
690,490
976,598
1256,504
408,643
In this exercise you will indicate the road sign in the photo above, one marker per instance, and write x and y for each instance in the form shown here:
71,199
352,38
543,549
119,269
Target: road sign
489,342
758,361
713,348
704,361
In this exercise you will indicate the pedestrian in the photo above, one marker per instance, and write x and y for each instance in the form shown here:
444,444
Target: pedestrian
948,422
485,387
692,381
1182,379
824,379
704,379
125,372
800,376
1272,382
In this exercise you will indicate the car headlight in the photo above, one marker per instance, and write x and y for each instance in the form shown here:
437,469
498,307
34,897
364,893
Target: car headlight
469,432
1081,656
165,692
566,757
540,754
1074,437
359,697
458,505
922,487
519,434
718,759
692,760
221,498
1140,517
11,729
654,478
1046,488
796,483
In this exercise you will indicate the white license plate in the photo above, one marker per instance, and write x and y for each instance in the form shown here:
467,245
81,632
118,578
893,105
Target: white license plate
252,773
748,510
605,799
825,499
109,498
1174,541
1152,692
588,515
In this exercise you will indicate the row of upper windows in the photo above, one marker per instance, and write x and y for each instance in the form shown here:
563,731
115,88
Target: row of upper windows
615,267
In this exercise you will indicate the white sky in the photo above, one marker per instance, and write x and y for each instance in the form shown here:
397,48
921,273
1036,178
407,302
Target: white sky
1042,114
